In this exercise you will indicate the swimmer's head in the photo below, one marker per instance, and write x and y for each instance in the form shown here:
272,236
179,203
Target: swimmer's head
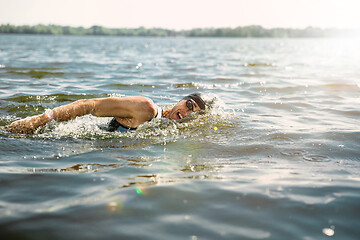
191,103
196,97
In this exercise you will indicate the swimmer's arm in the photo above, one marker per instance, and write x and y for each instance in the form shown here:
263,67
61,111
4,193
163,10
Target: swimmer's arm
138,109
62,113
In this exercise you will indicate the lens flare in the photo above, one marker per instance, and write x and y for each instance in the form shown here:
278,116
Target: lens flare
139,191
116,205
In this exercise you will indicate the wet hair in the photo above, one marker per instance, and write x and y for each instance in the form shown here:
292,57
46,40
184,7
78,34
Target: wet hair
198,99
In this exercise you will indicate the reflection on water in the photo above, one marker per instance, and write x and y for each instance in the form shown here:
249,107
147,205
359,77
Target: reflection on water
277,157
80,168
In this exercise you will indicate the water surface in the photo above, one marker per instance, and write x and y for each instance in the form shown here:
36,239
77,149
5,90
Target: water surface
277,158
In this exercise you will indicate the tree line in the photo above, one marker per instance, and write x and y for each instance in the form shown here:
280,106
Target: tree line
242,31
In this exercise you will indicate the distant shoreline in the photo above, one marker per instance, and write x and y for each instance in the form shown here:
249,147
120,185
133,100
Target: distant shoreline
252,31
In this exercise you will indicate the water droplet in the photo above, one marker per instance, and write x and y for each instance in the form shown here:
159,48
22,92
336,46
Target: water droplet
328,232
139,65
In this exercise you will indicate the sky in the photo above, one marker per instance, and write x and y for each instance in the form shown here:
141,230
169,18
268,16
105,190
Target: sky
183,14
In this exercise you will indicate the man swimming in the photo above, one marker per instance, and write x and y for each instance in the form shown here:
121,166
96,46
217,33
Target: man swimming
128,112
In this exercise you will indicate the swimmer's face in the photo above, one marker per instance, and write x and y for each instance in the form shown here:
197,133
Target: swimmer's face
183,108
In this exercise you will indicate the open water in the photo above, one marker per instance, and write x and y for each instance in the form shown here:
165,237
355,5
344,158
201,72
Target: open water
278,157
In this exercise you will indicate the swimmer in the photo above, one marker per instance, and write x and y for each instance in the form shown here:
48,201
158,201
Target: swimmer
127,112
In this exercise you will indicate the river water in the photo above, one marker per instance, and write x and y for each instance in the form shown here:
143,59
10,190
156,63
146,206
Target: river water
278,156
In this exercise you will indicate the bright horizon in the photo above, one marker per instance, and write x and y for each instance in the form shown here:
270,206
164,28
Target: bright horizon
185,14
